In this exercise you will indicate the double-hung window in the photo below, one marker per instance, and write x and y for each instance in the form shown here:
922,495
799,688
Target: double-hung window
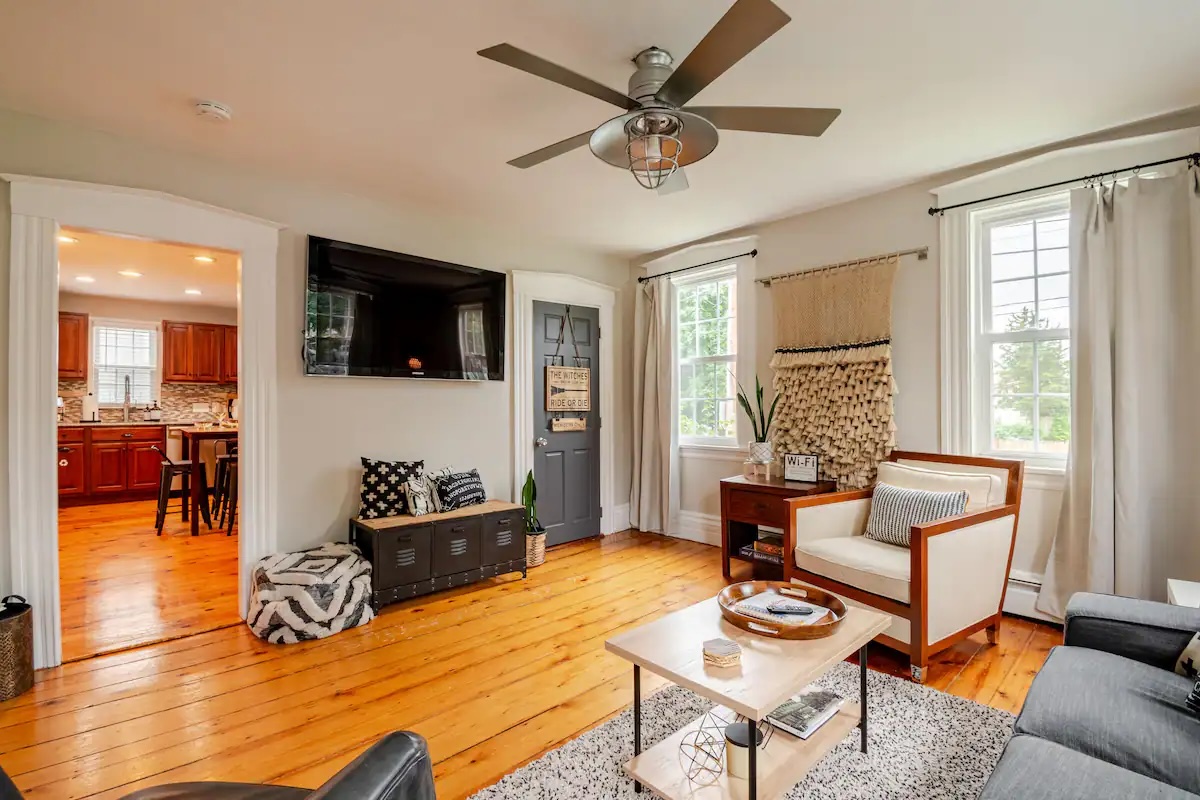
706,346
124,353
1022,339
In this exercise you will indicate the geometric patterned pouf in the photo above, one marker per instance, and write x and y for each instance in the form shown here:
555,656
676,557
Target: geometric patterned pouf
310,594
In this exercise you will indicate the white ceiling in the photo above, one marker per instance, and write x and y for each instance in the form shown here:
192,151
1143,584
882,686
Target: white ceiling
167,270
388,99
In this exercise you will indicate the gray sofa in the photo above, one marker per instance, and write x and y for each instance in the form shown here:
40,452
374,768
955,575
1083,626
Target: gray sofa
1106,717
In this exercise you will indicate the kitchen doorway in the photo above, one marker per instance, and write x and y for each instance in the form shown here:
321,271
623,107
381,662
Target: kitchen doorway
39,206
147,357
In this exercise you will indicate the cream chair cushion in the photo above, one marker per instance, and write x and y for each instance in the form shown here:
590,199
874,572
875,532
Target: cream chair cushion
983,490
857,561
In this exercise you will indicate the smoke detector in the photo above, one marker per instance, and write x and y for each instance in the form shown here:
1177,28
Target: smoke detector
216,112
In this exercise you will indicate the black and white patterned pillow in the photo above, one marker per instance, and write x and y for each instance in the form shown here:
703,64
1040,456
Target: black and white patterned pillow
894,511
1188,663
459,489
429,477
382,490
419,494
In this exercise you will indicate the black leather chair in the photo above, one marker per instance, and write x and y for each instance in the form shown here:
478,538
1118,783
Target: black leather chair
397,767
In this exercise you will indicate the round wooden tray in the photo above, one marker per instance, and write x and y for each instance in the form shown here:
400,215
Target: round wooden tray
731,595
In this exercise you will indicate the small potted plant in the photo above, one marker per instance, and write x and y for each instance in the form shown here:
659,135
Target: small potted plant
535,534
761,450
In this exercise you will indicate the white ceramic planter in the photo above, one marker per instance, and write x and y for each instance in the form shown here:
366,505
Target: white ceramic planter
761,452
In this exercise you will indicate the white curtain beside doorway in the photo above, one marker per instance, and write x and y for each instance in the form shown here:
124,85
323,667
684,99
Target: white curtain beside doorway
1131,508
654,494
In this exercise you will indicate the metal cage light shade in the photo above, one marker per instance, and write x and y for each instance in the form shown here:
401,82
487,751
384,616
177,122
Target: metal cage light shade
653,157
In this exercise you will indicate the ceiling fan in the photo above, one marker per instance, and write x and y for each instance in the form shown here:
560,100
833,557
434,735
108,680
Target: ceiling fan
659,135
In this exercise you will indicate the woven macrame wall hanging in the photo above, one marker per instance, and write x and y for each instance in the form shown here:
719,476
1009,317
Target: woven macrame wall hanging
833,368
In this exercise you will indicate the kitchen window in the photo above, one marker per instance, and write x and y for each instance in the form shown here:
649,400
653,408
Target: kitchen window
706,346
1022,339
123,350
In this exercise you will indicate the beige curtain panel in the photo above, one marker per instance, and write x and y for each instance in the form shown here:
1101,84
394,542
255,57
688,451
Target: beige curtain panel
833,368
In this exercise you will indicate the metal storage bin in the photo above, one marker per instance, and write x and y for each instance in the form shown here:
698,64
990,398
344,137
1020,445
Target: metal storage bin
16,647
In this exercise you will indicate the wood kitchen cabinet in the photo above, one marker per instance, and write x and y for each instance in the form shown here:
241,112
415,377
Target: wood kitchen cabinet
177,351
109,466
72,345
229,354
110,462
198,352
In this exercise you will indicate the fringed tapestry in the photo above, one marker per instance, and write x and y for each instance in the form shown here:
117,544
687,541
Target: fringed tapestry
833,368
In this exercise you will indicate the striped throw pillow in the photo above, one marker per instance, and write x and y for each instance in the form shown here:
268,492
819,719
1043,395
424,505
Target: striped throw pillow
894,511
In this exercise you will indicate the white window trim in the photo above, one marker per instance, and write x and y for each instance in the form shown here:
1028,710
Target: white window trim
109,322
744,356
966,403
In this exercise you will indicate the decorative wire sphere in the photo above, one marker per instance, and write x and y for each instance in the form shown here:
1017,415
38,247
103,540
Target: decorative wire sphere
701,754
653,157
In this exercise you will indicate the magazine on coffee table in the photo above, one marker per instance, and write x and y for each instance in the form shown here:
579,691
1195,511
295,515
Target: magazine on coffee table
759,607
806,712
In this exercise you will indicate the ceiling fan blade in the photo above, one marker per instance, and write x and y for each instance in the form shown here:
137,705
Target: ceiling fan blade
535,65
677,182
768,119
546,153
744,27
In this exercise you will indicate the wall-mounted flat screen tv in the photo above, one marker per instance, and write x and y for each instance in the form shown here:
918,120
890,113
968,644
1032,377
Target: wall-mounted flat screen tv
380,314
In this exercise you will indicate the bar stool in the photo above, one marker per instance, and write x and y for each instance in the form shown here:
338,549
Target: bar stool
229,495
221,470
182,469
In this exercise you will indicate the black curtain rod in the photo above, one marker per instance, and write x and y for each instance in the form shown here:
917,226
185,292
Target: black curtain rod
752,254
1194,158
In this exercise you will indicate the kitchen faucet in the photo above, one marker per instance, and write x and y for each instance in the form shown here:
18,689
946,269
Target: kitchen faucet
128,397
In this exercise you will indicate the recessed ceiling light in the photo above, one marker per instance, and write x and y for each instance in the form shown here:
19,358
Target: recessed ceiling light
204,259
130,273
85,279
192,291
67,239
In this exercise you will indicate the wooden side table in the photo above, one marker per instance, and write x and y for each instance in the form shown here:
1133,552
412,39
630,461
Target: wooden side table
747,503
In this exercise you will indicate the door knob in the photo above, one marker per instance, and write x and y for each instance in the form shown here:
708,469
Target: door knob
541,441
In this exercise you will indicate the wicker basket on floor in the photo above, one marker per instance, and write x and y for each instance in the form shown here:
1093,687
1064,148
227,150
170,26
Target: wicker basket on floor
535,549
16,648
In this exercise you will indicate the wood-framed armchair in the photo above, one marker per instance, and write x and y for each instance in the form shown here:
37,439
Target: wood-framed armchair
948,585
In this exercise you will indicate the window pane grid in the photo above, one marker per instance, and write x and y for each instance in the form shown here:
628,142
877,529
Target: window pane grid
1026,338
706,328
119,353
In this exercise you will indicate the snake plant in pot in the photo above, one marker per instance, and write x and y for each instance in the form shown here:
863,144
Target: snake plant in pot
761,450
535,534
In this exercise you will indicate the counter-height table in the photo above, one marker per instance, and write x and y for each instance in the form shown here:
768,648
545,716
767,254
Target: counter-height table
192,437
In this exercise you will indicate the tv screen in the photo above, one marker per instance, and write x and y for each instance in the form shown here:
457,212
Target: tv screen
375,313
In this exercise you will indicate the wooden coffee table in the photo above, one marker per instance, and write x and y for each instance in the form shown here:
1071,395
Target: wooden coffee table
772,670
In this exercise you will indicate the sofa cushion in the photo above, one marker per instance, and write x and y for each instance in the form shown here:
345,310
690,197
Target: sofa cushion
861,562
982,490
1121,711
1035,769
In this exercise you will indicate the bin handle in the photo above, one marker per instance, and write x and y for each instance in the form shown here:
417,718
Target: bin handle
17,597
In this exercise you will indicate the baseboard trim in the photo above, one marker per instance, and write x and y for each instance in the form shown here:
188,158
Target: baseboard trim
697,527
1020,601
619,521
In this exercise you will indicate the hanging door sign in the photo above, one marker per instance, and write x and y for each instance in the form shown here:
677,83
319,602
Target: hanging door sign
568,389
565,424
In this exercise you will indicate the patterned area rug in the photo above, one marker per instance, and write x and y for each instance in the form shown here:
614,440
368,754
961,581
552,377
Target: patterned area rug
922,743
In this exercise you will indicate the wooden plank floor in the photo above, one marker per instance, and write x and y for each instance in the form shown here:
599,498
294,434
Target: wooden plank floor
122,586
493,675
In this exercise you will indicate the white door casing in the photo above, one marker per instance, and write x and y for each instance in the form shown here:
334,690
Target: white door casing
39,206
554,287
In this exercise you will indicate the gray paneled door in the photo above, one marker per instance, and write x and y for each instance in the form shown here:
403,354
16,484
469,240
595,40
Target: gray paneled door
566,464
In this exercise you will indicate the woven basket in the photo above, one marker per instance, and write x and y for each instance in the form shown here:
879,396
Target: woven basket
535,549
16,648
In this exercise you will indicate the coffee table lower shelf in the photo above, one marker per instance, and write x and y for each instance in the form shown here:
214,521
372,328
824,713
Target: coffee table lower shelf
782,764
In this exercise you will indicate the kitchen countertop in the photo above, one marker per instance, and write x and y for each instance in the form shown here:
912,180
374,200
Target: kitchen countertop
130,424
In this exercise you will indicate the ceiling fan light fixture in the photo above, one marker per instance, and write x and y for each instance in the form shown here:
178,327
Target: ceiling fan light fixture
653,157
651,143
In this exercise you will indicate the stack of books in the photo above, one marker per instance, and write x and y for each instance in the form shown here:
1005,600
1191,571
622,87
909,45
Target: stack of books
805,713
768,547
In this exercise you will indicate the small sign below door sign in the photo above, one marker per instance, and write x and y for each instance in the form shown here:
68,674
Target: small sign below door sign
568,389
564,424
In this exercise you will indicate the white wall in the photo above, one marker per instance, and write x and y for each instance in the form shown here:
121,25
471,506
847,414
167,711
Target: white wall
143,310
325,424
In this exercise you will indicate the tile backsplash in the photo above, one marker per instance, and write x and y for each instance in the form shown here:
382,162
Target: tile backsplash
176,400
